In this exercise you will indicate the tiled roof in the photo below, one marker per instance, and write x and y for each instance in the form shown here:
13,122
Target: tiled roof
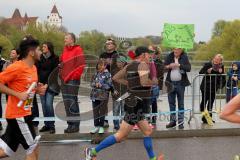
16,14
55,10
18,20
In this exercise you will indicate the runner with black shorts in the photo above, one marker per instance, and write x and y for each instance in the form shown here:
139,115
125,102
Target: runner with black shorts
136,105
15,82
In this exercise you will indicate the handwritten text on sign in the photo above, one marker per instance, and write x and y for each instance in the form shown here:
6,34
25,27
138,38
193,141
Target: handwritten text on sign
178,35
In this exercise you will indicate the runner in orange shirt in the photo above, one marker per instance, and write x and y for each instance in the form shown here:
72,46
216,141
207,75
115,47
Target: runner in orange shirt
15,81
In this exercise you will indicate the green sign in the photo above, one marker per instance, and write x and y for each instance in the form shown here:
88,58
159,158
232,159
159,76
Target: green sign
178,35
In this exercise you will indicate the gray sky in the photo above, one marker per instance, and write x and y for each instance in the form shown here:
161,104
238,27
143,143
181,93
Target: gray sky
130,18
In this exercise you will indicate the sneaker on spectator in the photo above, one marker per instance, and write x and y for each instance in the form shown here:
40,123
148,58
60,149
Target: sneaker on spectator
135,127
171,125
94,130
106,125
71,129
52,130
181,126
101,130
44,129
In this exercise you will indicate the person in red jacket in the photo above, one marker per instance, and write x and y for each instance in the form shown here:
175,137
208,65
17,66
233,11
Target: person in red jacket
72,63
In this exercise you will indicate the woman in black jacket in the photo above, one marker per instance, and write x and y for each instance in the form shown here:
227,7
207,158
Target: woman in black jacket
211,82
48,62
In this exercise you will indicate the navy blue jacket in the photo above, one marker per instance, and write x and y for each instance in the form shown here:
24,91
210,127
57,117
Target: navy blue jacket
185,67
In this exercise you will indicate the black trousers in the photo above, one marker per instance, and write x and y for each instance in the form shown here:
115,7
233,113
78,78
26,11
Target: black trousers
208,98
35,111
100,110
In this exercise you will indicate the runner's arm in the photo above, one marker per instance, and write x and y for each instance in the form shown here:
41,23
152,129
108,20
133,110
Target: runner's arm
119,76
143,71
229,111
4,89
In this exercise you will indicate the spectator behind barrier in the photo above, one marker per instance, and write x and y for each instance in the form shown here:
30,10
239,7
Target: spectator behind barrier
72,63
211,82
232,83
48,62
101,84
156,57
110,56
177,64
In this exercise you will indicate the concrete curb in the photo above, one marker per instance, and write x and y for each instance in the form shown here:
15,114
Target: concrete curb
156,134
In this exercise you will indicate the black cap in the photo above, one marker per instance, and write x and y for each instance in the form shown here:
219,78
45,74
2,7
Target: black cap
140,50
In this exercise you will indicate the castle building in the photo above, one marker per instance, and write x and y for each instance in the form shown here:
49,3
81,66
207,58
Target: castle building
20,21
55,18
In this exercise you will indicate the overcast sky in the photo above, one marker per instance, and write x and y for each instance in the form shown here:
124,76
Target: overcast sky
130,18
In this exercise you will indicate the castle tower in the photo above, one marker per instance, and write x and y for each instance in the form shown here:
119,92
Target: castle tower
55,18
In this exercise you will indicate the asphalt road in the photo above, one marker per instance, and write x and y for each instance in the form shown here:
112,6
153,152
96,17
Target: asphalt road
208,148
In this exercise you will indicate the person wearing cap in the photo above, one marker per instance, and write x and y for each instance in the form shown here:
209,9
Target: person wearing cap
177,65
139,87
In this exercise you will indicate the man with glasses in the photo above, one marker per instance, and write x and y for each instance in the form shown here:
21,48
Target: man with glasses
110,55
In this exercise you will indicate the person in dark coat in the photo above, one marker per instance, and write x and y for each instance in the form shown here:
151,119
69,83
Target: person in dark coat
177,64
48,62
232,83
211,82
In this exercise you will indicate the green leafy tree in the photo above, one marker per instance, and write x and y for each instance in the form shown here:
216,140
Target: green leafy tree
226,43
92,42
142,41
44,32
218,28
7,46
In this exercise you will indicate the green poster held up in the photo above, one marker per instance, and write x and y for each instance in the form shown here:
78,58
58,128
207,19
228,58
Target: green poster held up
178,35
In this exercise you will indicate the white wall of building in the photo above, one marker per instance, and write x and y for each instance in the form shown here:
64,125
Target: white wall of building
54,19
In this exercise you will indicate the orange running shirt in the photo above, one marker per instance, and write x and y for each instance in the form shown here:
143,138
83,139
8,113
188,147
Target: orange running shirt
19,76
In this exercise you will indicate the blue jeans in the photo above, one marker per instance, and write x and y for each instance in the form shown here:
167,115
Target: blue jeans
118,110
231,93
70,100
47,107
177,92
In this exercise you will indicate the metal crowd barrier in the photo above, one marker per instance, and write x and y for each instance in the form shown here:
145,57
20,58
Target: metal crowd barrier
213,94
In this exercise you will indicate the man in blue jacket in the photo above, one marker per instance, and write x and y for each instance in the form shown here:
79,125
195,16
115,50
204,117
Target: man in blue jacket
177,64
